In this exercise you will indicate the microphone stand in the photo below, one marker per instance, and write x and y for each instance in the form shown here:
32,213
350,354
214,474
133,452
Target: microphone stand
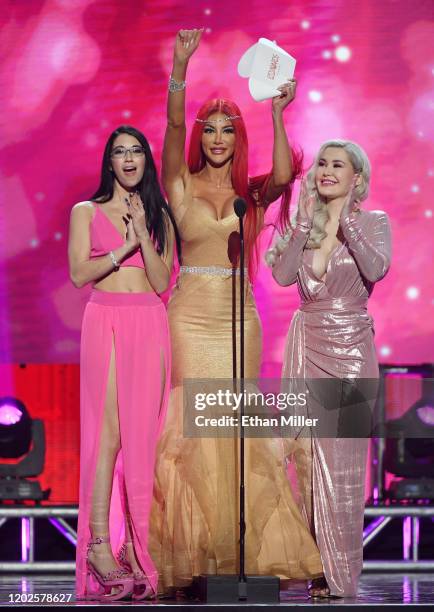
242,583
225,587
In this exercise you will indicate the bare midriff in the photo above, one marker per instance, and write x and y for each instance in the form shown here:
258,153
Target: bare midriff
125,280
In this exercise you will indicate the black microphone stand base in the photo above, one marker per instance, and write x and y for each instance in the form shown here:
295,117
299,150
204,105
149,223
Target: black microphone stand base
227,588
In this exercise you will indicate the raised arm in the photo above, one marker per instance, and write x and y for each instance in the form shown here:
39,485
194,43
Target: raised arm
82,269
282,158
175,170
370,243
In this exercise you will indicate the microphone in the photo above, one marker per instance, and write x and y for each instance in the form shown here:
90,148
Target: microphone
240,207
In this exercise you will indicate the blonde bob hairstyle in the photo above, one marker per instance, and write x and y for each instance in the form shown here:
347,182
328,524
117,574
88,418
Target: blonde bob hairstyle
360,162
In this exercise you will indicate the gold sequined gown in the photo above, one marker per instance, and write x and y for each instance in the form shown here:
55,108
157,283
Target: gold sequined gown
194,528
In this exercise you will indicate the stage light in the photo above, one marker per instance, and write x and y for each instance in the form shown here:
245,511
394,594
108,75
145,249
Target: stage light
15,428
21,438
409,452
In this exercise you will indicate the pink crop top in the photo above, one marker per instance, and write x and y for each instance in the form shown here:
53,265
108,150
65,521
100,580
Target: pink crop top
105,237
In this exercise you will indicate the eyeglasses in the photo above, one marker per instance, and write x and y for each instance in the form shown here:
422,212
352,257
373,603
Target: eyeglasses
121,152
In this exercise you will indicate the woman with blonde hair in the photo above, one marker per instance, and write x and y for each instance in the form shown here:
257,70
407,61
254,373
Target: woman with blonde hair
335,252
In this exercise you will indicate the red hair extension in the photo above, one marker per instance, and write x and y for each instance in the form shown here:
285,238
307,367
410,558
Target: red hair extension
252,190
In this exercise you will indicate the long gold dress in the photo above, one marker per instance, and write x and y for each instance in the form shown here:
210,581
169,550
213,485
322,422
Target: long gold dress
194,527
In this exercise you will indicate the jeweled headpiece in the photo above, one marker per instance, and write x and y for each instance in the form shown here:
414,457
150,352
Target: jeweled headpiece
226,118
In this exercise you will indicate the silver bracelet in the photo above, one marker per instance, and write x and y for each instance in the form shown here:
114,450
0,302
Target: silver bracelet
176,85
114,260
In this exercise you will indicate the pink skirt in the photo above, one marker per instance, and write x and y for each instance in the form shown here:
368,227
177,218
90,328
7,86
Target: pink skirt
137,325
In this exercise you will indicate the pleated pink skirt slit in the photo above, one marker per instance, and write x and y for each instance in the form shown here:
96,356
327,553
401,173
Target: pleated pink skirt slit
135,324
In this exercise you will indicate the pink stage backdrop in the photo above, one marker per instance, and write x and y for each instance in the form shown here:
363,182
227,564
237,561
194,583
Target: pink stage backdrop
73,70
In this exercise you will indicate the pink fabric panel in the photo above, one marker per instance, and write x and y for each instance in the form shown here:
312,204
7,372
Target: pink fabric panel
138,324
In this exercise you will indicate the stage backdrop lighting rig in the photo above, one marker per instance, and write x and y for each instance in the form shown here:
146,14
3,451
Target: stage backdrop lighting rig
410,452
21,438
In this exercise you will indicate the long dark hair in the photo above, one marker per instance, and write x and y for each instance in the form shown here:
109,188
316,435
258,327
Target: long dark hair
157,211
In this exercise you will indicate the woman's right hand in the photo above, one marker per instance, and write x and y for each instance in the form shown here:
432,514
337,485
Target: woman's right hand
131,240
186,43
306,205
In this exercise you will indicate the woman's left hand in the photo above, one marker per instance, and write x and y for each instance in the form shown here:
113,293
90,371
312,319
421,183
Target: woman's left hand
279,103
138,216
351,204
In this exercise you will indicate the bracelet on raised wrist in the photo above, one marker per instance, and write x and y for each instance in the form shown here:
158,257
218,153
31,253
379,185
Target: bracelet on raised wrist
176,85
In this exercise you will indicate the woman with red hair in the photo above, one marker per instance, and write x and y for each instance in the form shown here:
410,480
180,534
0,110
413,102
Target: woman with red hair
195,525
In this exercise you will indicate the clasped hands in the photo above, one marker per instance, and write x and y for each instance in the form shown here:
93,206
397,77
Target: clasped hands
135,221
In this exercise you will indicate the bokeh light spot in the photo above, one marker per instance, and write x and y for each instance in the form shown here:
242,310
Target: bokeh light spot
385,350
342,53
412,293
315,96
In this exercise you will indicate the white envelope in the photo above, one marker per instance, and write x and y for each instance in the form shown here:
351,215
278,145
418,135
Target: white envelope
267,66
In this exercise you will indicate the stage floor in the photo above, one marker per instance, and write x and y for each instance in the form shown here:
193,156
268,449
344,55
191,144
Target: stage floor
375,590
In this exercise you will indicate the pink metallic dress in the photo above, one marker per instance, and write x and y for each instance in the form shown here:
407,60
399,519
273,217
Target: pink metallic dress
332,335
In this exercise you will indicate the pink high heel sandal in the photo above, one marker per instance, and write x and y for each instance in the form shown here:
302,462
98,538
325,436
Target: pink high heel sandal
142,588
104,584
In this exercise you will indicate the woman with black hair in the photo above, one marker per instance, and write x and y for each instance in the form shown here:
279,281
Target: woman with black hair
122,241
